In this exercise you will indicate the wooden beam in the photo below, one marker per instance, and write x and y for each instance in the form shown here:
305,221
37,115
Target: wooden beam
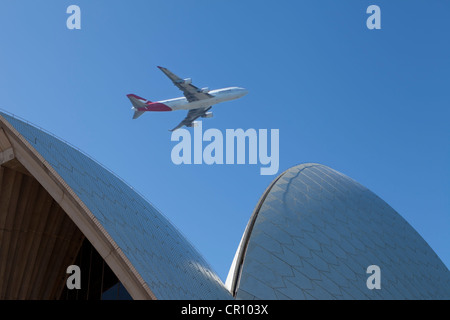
4,141
17,166
8,201
6,155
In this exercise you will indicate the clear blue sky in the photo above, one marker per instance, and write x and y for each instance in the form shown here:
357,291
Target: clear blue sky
372,104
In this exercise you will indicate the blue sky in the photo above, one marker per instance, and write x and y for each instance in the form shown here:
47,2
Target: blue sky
372,104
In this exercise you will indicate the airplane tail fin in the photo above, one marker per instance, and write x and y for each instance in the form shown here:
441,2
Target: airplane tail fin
139,105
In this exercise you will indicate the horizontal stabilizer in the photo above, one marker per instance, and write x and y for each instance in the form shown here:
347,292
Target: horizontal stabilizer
137,114
138,105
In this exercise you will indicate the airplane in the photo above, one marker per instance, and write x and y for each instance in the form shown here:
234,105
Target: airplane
197,101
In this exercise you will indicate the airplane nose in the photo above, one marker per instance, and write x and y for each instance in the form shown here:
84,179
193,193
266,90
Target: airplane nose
244,91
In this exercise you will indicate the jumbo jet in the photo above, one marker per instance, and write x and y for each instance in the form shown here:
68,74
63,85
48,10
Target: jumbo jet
197,101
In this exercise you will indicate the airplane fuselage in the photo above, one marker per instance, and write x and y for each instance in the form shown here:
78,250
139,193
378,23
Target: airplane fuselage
217,96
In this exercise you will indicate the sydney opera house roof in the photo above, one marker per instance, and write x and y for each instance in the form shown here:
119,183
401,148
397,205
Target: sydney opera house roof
312,236
149,256
315,232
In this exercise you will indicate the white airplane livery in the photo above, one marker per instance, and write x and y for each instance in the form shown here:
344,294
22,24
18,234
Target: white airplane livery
197,101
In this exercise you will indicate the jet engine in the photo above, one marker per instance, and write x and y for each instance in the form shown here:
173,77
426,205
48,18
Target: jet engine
204,90
207,115
187,81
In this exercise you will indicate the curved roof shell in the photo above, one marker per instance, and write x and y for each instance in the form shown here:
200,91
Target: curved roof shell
148,254
315,232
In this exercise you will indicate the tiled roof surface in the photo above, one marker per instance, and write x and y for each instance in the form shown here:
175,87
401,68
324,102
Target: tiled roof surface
168,263
316,233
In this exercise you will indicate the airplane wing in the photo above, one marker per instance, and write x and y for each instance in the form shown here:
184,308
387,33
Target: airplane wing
191,92
192,115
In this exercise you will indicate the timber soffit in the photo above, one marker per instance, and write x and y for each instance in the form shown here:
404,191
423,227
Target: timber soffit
78,212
